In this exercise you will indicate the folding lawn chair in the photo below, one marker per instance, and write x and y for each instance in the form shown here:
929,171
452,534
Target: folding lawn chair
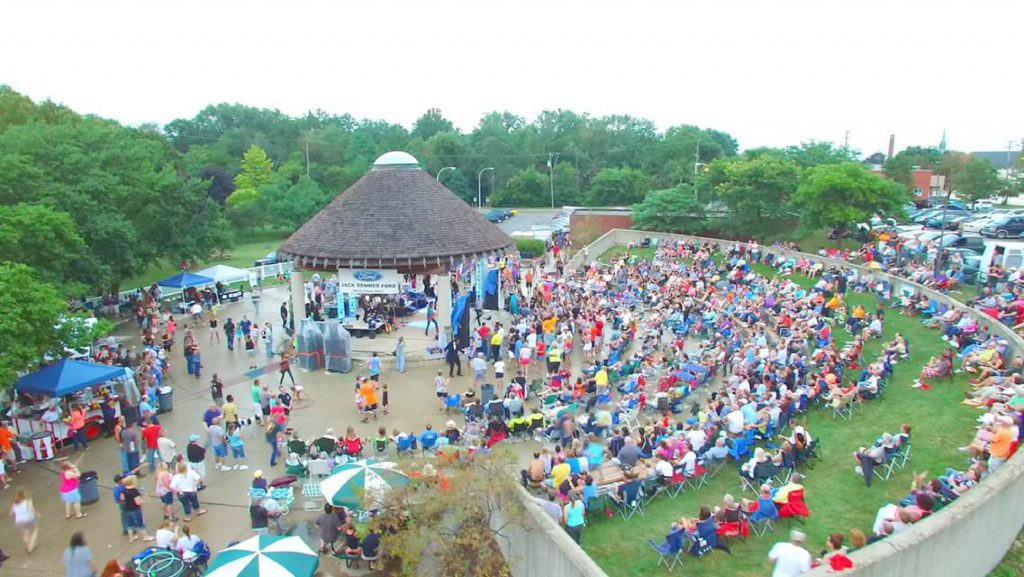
632,501
761,521
670,552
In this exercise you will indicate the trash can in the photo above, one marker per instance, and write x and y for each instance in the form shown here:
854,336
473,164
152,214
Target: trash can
486,393
130,414
166,399
88,487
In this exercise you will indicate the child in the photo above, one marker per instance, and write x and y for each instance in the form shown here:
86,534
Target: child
360,402
237,447
384,398
381,442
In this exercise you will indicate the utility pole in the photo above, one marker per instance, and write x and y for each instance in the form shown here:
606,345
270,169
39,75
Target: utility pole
846,141
696,168
552,157
307,159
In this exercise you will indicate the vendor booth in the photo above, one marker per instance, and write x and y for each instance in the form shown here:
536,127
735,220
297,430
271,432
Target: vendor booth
185,281
44,399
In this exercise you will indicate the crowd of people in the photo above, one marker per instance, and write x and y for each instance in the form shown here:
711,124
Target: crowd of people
644,375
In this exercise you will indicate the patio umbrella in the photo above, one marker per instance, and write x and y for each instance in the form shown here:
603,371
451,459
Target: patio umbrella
359,482
265,556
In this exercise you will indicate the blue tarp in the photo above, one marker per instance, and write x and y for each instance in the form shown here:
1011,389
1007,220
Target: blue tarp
491,286
457,311
185,280
66,377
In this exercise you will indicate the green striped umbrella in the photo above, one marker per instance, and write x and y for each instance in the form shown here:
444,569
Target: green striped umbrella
361,482
265,556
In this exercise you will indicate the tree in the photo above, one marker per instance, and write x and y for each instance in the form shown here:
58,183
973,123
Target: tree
30,311
618,187
455,181
256,172
529,187
755,189
289,207
899,168
221,182
813,153
840,195
671,210
971,177
431,123
46,240
455,531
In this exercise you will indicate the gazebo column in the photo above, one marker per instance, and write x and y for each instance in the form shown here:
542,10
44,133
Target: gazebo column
443,289
501,280
298,297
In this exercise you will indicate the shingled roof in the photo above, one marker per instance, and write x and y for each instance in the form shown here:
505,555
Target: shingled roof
396,216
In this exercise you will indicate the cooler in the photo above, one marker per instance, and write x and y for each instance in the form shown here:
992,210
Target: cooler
42,445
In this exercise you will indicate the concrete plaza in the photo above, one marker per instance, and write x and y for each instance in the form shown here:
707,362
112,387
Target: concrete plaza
329,403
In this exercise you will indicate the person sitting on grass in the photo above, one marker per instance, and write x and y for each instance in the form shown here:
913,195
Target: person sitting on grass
936,368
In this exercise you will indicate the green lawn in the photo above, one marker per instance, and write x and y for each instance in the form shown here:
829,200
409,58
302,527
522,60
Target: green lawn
836,496
249,247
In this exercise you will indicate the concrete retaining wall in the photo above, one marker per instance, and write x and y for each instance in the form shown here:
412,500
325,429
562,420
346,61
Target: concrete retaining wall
967,538
542,547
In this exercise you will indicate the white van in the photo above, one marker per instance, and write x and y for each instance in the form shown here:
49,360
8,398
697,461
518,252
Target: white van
1008,253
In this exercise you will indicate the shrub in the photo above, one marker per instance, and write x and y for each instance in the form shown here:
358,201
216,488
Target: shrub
530,247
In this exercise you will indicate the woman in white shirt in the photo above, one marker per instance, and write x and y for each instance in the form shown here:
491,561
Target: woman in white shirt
166,535
25,519
186,543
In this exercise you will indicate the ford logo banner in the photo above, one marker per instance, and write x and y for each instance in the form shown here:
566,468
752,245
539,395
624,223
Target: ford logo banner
367,275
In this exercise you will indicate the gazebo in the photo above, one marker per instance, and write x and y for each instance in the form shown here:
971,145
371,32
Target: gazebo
397,219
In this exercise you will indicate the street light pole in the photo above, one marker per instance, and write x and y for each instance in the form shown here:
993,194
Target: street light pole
440,172
479,182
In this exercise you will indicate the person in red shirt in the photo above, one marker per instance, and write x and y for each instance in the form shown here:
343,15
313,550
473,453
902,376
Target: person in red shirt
150,434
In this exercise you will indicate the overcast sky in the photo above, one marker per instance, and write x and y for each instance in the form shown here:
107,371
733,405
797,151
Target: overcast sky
769,72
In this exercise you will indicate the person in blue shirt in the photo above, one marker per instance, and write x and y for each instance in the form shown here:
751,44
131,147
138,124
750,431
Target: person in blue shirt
373,366
428,438
118,490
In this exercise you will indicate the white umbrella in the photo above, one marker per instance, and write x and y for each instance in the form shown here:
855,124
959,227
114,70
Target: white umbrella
361,482
265,556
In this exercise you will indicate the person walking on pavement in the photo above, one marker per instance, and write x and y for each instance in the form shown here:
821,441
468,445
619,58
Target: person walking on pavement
229,334
431,318
286,369
451,354
400,355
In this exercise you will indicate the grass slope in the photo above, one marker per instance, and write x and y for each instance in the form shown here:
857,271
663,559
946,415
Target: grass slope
251,246
836,496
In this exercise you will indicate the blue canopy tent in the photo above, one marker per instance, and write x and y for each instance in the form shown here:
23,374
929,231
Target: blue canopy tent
66,376
185,280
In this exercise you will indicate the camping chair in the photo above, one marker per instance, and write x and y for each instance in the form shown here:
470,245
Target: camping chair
699,477
629,418
734,529
674,485
406,445
761,520
739,449
651,488
885,469
312,498
903,453
705,539
843,406
795,508
631,501
453,403
670,552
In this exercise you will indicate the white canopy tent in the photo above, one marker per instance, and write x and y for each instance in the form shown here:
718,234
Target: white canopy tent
225,274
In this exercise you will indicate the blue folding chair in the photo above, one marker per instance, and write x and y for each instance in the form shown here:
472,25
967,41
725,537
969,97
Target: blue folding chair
670,552
740,449
760,521
632,501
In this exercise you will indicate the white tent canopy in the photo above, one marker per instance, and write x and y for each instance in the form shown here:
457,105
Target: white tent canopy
225,274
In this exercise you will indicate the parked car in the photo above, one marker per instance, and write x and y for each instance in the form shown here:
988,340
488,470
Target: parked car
505,213
976,224
271,258
973,242
942,218
923,216
494,215
1010,226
